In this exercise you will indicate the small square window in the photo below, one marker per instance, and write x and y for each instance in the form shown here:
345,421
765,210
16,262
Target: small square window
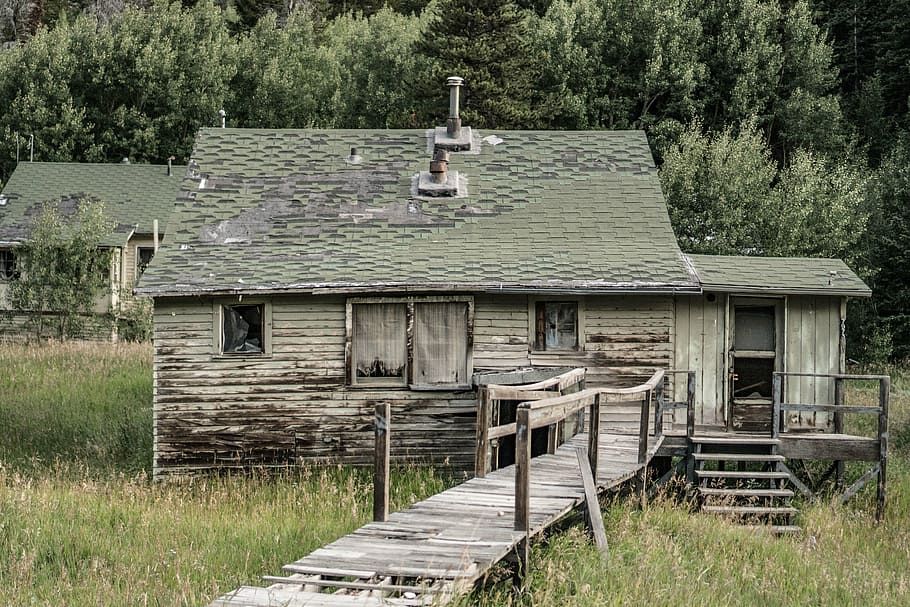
7,265
243,329
556,325
143,258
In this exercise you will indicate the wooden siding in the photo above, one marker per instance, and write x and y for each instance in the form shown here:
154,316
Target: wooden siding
811,346
701,347
811,334
296,405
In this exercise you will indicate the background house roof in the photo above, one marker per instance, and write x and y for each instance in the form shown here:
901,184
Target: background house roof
294,210
134,195
779,275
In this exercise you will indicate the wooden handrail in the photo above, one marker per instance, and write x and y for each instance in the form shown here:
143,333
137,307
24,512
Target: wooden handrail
536,414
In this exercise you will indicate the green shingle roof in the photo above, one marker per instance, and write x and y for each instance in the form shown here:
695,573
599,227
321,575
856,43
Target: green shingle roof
134,195
779,275
283,210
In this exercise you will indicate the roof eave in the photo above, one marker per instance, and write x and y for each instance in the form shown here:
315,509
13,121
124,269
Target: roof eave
578,288
832,292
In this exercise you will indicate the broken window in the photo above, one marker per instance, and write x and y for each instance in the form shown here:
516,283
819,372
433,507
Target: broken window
143,258
557,325
380,344
421,343
7,265
243,329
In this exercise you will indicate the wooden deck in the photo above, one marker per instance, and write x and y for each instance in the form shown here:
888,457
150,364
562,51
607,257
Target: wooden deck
439,548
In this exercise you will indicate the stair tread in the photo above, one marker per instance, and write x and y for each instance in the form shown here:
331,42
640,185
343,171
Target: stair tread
746,492
777,529
741,474
750,509
735,440
739,457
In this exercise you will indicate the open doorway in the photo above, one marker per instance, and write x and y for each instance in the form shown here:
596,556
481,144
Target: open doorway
754,356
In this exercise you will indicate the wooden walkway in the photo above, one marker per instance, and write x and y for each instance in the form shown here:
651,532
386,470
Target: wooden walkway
438,548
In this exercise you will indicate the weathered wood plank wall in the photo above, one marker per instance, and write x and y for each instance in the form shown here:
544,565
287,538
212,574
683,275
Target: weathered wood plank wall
811,346
701,347
295,405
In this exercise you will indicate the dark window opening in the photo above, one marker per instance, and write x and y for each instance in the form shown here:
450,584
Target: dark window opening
557,325
242,329
7,265
143,258
752,377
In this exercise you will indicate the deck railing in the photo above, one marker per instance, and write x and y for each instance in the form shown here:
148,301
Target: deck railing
490,398
840,409
549,411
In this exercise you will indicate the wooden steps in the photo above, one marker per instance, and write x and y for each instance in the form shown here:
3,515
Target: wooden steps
753,494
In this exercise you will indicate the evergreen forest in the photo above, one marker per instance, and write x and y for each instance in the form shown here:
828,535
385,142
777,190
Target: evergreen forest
780,126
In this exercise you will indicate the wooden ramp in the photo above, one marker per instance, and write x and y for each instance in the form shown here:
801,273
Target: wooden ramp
438,548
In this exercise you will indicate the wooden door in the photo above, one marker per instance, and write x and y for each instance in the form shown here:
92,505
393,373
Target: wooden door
753,360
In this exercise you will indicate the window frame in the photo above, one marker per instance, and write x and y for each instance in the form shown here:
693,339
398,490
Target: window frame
136,271
408,381
4,276
218,307
537,348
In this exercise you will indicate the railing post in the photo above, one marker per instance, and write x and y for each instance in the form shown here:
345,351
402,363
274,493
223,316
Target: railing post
523,470
839,400
775,410
690,405
659,409
884,395
483,427
594,434
381,461
643,428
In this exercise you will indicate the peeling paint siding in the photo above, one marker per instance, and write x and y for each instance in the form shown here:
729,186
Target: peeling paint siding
294,405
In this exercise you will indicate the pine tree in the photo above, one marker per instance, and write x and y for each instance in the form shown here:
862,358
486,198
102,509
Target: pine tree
486,44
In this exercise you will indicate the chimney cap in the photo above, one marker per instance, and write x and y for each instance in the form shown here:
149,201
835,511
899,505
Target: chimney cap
454,81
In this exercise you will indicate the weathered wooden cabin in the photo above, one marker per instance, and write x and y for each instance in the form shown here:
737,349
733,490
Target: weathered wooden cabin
755,316
310,274
135,197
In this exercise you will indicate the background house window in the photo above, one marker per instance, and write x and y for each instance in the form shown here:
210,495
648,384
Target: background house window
7,265
143,258
557,325
243,329
424,344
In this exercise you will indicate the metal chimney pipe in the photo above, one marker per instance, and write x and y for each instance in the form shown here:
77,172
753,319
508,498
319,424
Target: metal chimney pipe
453,124
170,159
439,166
223,115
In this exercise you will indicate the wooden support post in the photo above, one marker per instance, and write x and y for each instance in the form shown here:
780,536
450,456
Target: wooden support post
839,400
553,437
593,516
659,410
523,486
522,470
690,405
643,428
778,392
483,427
884,395
381,463
594,434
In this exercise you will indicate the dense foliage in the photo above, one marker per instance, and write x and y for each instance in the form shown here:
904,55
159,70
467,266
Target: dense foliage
780,125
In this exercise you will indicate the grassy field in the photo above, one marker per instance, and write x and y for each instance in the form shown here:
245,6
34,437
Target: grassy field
82,524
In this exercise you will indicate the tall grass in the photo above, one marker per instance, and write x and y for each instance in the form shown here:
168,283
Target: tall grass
86,402
82,524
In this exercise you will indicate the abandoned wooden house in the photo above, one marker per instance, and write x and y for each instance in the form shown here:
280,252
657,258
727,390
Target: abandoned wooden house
310,274
136,198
